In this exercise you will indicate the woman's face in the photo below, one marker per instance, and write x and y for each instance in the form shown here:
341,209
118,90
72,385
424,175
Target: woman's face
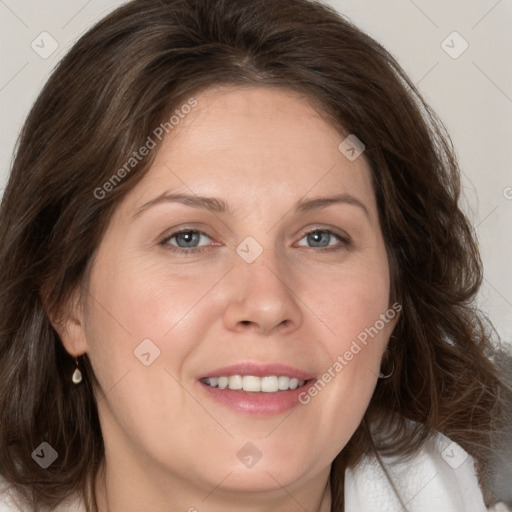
280,270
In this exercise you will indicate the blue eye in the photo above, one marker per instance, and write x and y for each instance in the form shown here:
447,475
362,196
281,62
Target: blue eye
187,239
322,238
319,238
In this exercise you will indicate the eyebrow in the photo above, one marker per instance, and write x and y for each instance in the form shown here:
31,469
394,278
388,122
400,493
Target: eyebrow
217,205
324,202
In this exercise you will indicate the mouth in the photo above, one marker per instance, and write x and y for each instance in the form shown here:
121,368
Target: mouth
254,384
257,389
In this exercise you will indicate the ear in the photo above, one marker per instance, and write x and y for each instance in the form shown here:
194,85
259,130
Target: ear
68,320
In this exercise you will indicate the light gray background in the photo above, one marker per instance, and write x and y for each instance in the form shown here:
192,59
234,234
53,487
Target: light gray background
472,94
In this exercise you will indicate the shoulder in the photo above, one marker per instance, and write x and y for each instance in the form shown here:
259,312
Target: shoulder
11,502
440,476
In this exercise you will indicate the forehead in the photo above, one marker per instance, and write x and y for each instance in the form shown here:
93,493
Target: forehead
248,143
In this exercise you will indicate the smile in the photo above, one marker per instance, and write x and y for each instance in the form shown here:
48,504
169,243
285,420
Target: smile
254,384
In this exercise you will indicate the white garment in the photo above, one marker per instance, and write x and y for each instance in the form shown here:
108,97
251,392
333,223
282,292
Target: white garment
439,478
8,504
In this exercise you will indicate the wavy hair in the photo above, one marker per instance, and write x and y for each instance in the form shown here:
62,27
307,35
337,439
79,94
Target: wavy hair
121,80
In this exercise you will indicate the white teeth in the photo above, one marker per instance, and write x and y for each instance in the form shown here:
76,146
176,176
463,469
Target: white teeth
235,382
213,381
283,383
294,383
250,383
269,384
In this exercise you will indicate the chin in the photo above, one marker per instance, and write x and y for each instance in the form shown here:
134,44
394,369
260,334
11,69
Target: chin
260,479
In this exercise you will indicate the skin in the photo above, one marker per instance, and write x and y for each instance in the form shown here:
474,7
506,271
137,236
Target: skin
168,445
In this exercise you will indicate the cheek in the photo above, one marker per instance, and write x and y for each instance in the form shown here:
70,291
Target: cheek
153,311
144,298
132,302
349,303
357,322
363,322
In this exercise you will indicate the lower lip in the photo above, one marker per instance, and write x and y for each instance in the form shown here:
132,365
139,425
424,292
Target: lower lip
257,403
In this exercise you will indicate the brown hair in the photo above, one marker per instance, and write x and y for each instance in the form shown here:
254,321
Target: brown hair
119,82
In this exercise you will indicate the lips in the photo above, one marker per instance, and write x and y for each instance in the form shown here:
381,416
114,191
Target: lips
256,388
259,370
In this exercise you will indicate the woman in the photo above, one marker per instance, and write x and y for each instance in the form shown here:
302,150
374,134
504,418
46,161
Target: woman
235,276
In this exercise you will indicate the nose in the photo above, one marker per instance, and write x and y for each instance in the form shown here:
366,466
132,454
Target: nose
260,298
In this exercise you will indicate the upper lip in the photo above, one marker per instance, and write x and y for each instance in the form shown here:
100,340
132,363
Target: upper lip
259,370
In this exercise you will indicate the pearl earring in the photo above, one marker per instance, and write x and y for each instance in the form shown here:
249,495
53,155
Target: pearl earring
77,374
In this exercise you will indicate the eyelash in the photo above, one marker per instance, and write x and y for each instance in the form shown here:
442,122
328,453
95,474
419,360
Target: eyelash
343,239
